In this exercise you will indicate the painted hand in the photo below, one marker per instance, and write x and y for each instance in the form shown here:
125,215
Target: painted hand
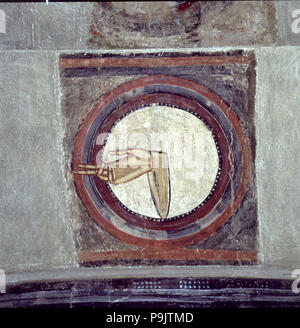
134,163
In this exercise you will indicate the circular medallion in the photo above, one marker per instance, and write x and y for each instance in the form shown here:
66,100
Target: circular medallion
161,161
193,158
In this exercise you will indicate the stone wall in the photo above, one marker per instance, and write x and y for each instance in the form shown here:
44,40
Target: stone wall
35,204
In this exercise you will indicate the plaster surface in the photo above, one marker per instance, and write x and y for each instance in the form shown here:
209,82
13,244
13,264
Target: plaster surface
36,26
35,231
277,163
74,25
288,26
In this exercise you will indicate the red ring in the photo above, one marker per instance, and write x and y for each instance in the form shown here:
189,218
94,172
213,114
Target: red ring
220,220
182,103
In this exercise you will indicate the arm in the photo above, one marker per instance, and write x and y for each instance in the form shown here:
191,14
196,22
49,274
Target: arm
134,163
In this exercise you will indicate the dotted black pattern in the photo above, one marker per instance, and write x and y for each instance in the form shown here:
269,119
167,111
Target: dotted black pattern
216,179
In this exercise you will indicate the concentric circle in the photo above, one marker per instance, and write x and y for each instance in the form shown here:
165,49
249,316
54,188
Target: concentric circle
176,102
194,223
192,152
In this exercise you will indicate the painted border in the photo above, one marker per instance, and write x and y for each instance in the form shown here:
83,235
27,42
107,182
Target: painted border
226,111
209,203
65,62
175,254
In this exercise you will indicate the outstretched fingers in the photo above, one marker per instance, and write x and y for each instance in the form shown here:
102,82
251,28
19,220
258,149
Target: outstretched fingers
100,171
87,172
88,166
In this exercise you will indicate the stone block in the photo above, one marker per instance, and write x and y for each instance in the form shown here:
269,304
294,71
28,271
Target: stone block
61,25
46,26
277,164
35,231
19,21
288,22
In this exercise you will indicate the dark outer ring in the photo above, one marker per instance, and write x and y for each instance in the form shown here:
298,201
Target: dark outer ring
198,91
208,204
134,229
176,217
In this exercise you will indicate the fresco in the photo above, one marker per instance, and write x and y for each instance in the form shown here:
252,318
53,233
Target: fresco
181,24
161,166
